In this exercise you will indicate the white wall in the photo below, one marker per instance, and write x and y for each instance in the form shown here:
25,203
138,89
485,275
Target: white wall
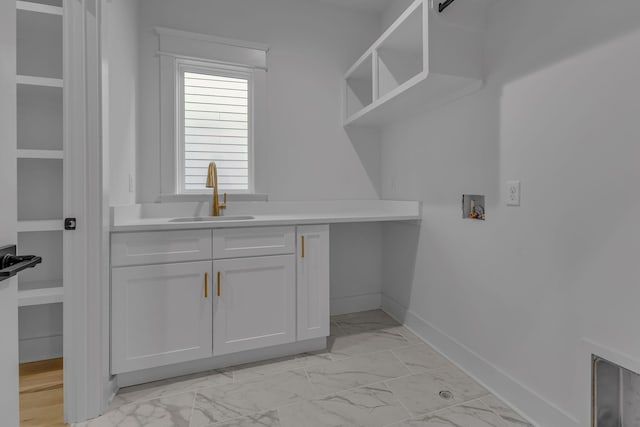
40,332
512,298
122,45
306,153
356,267
392,12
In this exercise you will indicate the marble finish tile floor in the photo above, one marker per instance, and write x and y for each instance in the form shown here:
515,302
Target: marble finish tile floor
374,373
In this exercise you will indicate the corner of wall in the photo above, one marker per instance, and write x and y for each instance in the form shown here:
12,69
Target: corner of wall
356,267
532,406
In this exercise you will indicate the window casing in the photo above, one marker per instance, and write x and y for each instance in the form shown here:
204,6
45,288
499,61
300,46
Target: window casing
214,123
179,52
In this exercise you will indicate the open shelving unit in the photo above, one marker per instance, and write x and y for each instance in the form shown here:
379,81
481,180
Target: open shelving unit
425,58
401,54
40,94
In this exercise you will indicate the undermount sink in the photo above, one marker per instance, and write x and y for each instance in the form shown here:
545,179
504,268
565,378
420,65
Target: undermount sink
213,218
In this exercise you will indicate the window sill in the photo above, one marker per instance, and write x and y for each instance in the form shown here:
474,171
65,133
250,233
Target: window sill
206,197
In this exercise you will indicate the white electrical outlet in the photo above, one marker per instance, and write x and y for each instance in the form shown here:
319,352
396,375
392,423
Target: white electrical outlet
513,193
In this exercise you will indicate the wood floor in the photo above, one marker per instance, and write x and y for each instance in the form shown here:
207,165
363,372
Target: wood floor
41,394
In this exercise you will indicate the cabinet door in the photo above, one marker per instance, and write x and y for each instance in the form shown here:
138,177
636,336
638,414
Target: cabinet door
254,304
313,281
160,314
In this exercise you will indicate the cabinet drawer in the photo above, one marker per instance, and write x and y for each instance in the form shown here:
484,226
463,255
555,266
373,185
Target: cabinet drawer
245,242
160,247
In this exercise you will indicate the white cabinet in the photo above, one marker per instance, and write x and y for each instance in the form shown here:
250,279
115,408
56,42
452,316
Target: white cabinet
255,303
161,314
206,293
313,281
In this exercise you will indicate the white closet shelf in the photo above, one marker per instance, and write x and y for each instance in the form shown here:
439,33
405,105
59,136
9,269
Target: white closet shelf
38,7
39,81
42,225
40,296
40,154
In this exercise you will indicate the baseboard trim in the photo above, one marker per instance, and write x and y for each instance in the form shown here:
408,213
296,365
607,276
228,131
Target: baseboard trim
111,390
186,368
356,303
529,404
40,348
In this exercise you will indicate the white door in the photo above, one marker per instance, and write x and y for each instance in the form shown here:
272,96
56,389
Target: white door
313,281
254,305
161,314
8,215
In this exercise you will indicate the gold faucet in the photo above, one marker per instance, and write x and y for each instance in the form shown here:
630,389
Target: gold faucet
212,182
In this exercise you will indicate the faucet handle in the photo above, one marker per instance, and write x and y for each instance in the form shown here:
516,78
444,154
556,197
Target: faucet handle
224,203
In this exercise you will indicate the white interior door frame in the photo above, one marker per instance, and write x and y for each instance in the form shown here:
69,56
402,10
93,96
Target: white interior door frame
87,385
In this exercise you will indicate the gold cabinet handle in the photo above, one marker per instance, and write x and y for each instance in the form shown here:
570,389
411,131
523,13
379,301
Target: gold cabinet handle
302,237
206,285
218,283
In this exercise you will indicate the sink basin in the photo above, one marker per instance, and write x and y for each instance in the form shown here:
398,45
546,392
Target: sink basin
213,218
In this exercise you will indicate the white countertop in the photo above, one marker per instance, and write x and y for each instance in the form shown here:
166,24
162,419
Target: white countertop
157,216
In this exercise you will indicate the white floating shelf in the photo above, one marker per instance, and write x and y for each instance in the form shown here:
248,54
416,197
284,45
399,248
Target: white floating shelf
40,154
423,60
40,296
39,81
38,7
45,225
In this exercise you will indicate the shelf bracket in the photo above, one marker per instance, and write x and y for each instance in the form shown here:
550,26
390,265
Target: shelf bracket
443,6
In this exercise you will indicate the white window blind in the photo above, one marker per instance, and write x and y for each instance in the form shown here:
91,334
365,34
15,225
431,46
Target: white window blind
216,128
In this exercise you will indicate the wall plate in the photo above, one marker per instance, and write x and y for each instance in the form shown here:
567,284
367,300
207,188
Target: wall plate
513,193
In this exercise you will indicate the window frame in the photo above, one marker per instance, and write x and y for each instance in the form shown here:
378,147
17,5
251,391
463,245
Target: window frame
220,69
